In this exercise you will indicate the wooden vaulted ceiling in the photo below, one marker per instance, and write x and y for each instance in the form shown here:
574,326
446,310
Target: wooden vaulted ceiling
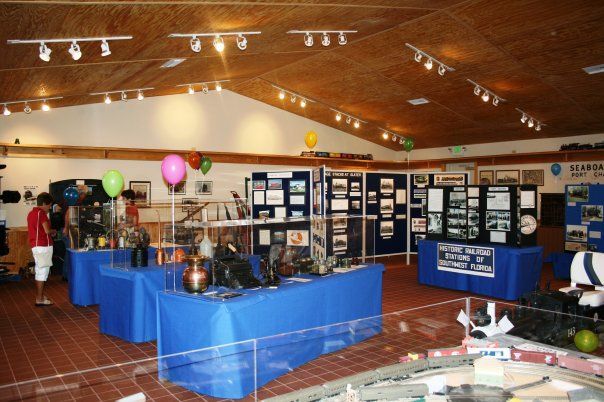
529,52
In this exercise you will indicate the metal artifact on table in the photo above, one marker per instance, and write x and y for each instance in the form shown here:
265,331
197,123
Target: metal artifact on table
195,278
139,241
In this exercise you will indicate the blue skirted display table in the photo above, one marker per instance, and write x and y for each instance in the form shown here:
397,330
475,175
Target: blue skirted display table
561,264
186,324
128,299
502,272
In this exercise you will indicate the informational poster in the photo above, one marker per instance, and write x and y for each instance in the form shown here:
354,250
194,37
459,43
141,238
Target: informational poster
500,201
455,179
274,197
401,196
527,199
468,260
258,197
435,200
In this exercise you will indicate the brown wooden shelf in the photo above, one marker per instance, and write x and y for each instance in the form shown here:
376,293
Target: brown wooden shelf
81,152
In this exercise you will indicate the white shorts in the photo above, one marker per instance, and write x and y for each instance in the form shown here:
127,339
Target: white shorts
43,260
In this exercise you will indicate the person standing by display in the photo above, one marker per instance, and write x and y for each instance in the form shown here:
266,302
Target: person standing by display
40,235
131,208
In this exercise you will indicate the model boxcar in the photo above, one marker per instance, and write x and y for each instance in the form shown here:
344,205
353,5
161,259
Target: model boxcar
582,365
520,355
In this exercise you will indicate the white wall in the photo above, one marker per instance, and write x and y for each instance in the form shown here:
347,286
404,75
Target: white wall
217,122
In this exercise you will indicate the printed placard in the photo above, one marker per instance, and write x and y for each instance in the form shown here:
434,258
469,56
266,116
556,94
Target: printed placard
468,260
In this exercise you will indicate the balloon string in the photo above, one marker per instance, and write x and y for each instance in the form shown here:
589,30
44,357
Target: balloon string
173,243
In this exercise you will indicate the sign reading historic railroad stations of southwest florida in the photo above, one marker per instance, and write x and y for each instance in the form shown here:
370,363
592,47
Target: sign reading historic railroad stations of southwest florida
469,260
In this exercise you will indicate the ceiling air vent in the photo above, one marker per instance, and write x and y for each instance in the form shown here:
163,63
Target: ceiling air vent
418,101
594,69
172,63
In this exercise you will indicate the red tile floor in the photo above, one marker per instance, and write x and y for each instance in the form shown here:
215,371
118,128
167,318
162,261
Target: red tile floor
37,342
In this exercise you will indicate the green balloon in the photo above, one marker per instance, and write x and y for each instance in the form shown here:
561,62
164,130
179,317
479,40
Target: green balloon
586,341
408,144
206,164
113,182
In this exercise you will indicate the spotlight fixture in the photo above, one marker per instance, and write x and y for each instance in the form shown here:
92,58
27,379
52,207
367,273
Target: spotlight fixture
204,86
123,94
218,44
393,136
385,135
45,52
241,42
486,93
308,40
281,95
401,141
325,38
293,96
530,120
74,48
27,108
338,116
74,51
45,106
6,110
355,121
105,51
357,124
419,54
348,119
218,40
428,64
195,44
303,103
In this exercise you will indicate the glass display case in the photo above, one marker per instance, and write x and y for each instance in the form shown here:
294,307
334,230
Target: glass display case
245,253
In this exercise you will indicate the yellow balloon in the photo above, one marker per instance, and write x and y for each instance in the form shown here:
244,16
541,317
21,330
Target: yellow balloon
311,139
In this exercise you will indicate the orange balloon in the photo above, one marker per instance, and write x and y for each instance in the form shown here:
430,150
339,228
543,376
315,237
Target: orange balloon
311,139
194,160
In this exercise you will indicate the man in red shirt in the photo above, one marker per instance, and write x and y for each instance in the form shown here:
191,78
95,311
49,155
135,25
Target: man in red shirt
40,240
131,209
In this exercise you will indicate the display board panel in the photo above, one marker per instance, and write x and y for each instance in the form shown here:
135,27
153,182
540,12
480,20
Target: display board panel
584,218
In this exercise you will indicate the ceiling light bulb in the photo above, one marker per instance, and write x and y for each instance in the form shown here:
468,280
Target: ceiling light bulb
401,141
27,108
357,124
523,118
218,87
303,103
308,39
218,44
6,111
293,98
195,44
107,99
495,101
385,135
241,42
348,119
325,40
538,127
281,95
428,64
342,40
338,116
190,90
441,70
485,96
531,123
394,138
45,107
105,51
45,52
75,51
418,57
476,90
205,89
140,95
124,96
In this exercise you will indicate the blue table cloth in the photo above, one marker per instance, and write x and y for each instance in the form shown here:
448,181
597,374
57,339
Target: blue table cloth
252,339
127,298
517,270
561,264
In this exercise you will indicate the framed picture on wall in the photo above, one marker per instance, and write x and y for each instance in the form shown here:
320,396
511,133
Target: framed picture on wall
203,187
506,177
178,189
486,177
533,177
189,204
142,192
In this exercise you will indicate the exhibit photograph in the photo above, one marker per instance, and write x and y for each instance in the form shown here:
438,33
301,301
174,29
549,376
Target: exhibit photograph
321,201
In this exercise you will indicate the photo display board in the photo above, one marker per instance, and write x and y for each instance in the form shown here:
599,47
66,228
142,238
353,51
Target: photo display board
386,197
283,194
583,218
483,214
344,196
418,200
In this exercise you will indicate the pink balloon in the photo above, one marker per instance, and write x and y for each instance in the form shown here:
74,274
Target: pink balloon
173,169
